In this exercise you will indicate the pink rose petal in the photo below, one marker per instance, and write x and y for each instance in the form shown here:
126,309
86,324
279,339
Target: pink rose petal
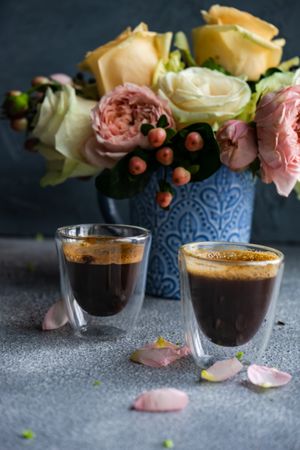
55,317
159,354
222,370
161,400
267,377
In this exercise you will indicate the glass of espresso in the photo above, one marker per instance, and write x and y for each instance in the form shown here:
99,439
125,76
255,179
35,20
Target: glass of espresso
228,293
103,273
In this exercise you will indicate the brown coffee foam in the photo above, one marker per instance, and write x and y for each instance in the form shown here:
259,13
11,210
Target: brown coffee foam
208,263
103,251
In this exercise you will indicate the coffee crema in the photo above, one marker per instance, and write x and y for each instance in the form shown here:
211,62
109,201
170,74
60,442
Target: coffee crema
103,273
231,300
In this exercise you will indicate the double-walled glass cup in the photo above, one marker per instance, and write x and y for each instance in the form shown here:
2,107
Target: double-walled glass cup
103,272
228,293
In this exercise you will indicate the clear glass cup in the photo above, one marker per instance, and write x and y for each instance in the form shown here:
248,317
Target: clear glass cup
103,272
228,293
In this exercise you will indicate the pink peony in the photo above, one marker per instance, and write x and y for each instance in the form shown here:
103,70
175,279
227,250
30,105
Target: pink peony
117,119
278,130
237,141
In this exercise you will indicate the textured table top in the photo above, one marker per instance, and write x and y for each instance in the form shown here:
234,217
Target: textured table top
46,378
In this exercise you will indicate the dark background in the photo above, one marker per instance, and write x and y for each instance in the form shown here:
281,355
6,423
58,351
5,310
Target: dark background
40,37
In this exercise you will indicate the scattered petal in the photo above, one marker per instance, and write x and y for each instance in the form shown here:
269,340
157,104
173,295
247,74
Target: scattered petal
55,317
267,377
222,370
168,443
159,353
161,400
28,434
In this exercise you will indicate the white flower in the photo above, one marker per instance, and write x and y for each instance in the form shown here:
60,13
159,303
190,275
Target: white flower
63,126
198,94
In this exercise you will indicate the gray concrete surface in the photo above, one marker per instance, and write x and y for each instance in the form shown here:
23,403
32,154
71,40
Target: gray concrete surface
46,379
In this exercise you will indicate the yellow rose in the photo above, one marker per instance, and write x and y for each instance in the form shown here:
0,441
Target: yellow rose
240,42
131,57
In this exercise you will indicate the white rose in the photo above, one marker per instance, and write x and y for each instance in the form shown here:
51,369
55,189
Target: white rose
198,94
63,126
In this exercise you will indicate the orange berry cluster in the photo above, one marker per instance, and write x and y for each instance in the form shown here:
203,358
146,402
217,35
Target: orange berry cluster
165,156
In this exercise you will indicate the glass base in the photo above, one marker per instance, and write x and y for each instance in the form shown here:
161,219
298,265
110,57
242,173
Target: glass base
103,333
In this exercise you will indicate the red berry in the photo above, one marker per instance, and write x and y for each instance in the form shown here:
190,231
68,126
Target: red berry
157,137
163,199
194,142
165,156
37,81
181,176
19,124
137,165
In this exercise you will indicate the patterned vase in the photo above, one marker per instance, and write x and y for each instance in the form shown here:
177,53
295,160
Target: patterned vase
217,209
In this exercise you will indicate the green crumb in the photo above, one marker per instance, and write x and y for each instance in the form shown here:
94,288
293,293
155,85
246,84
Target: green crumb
97,383
168,443
28,434
39,237
239,355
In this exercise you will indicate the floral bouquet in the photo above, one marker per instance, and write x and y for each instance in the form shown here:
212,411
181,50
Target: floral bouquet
148,108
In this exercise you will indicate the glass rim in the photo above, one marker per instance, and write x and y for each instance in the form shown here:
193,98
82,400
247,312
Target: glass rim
249,246
63,232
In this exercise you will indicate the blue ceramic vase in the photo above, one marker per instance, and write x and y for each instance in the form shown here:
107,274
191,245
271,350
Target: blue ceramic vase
219,208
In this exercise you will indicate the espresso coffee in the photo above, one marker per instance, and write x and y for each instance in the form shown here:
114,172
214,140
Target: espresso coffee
231,301
103,273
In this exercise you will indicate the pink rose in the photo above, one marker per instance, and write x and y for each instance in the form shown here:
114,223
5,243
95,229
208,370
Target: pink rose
278,129
237,141
117,119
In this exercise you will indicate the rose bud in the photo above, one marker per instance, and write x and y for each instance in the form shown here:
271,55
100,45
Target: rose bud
194,142
157,137
163,199
165,156
137,165
13,93
16,104
181,176
61,78
37,81
19,124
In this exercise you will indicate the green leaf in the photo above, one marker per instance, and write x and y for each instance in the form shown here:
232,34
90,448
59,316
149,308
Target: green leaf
208,159
119,184
97,383
211,64
28,434
145,128
162,121
194,169
287,65
297,189
170,133
181,42
165,186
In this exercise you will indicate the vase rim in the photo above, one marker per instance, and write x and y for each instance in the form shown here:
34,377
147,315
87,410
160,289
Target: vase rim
275,256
